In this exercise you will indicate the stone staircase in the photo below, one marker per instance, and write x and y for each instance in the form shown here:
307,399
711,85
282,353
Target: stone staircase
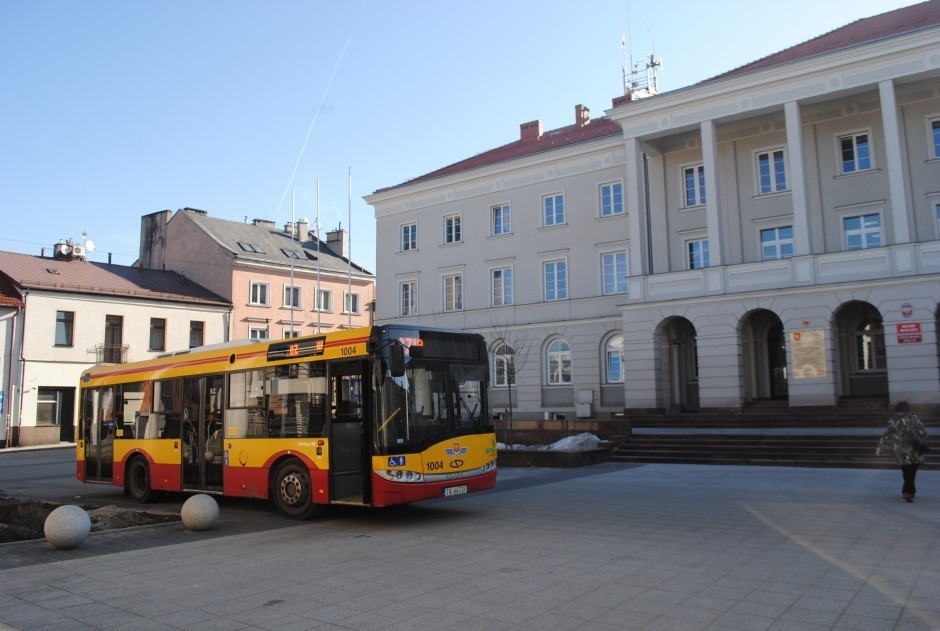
767,433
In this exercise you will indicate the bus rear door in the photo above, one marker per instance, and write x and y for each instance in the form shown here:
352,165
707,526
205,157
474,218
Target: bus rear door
202,435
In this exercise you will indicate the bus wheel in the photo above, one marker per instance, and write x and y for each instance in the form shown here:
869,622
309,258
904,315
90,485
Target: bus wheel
138,481
293,494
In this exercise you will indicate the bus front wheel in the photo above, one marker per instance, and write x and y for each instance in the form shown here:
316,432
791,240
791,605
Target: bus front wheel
138,481
292,491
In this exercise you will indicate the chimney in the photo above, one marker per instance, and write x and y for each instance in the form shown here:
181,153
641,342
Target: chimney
336,241
530,131
263,223
289,228
303,230
582,116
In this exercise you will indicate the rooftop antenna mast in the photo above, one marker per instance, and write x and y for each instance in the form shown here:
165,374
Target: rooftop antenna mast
637,83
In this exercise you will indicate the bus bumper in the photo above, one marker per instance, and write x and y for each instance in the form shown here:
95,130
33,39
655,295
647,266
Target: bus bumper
386,493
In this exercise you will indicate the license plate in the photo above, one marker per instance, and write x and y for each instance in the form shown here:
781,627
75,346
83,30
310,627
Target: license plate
455,490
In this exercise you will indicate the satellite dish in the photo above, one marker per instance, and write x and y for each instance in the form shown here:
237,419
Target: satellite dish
90,245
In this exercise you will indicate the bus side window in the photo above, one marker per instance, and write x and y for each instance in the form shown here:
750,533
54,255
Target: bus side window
166,396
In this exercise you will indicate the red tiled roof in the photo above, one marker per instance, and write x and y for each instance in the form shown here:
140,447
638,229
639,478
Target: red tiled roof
9,296
86,277
866,30
562,137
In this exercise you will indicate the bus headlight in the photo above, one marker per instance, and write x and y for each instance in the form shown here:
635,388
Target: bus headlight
400,476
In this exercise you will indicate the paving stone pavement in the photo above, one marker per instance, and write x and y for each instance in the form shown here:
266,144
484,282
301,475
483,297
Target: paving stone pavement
611,546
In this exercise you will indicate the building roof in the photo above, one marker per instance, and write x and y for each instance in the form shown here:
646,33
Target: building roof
272,242
554,139
78,276
9,296
864,31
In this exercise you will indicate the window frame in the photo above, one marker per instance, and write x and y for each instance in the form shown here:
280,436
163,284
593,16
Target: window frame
503,375
559,287
452,292
691,256
612,208
252,299
862,231
153,329
617,278
258,333
777,243
68,328
557,201
774,187
608,353
197,327
560,358
320,294
292,291
350,297
505,282
699,192
410,309
452,229
501,217
840,152
408,242
933,137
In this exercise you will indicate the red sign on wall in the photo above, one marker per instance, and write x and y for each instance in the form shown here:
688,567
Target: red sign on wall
909,333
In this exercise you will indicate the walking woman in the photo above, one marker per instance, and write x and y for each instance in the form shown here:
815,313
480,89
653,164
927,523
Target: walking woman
905,435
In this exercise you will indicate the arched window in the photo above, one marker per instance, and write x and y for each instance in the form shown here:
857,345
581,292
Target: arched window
558,363
870,345
613,359
504,365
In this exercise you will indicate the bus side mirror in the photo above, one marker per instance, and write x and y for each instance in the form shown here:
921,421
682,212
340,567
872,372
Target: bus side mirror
396,360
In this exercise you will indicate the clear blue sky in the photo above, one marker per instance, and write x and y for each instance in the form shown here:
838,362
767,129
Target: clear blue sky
113,110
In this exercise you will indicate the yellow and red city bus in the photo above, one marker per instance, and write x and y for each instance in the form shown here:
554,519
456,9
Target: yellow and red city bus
373,416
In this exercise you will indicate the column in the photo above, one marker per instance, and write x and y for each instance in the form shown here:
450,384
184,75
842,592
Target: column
802,239
712,199
894,158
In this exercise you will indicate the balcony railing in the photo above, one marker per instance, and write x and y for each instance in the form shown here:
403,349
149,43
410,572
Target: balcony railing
111,353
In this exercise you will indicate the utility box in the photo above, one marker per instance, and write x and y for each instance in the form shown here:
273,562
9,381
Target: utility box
582,404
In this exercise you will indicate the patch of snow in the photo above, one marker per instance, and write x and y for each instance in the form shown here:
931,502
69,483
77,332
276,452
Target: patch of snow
581,442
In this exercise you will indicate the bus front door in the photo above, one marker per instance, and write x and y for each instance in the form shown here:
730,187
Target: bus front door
348,450
202,433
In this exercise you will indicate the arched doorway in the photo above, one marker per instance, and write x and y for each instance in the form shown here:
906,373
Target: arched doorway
765,356
678,366
860,348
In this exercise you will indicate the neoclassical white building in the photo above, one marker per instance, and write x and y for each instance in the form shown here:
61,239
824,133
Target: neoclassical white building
770,233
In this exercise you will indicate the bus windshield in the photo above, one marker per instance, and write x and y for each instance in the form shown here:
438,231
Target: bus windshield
434,400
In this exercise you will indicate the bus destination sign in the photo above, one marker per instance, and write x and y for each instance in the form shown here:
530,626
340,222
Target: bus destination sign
296,347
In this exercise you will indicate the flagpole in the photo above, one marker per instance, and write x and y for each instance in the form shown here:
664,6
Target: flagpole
293,233
349,251
319,301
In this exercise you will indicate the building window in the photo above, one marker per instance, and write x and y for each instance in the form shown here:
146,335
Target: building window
408,294
291,333
501,219
293,298
351,303
324,300
453,292
49,406
196,334
771,172
504,372
251,247
776,243
556,280
113,339
257,333
259,294
157,334
693,183
293,254
613,354
611,199
558,361
409,237
854,153
452,229
64,327
862,232
502,286
614,273
553,207
935,137
698,253
936,214
870,345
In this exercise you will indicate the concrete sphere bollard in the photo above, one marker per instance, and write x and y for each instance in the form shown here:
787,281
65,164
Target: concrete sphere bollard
67,527
200,512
